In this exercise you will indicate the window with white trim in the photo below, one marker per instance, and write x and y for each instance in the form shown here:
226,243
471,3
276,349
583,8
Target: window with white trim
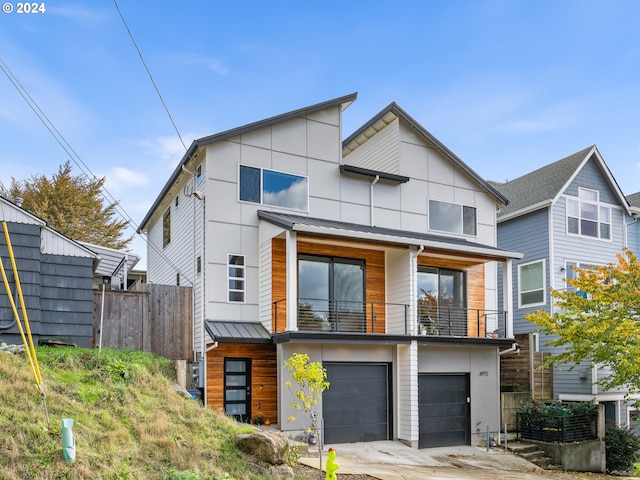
270,187
236,278
571,273
587,217
531,284
452,217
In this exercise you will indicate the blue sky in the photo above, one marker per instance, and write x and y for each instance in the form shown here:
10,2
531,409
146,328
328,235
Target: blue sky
507,85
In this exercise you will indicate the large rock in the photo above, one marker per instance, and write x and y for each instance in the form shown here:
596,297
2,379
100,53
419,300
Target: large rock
281,472
269,447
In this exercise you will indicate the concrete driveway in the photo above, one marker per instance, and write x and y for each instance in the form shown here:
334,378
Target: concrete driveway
390,460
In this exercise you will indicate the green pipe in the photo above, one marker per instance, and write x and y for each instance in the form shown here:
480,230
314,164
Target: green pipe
68,441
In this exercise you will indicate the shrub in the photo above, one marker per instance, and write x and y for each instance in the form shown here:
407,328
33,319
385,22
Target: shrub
622,447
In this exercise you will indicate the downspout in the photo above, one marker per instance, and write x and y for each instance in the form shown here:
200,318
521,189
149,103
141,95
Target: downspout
626,232
513,348
373,182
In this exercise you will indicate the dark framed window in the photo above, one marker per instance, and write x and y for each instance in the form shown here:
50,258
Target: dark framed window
166,228
331,293
452,218
236,270
270,187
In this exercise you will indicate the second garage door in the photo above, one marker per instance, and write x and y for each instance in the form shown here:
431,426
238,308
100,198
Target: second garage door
443,410
356,406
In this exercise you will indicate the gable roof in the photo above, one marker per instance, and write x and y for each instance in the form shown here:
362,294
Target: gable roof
540,188
392,111
52,241
111,260
343,102
335,228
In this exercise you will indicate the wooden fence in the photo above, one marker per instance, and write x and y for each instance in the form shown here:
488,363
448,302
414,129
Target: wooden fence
158,319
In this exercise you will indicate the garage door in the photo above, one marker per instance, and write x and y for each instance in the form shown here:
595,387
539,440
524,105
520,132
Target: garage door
356,405
444,410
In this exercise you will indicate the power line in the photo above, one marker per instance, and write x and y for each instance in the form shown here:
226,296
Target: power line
73,155
149,73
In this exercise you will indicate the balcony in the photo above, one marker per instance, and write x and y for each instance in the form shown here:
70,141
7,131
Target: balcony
461,322
385,318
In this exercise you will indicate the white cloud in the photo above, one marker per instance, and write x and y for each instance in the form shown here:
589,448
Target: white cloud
215,64
168,148
120,178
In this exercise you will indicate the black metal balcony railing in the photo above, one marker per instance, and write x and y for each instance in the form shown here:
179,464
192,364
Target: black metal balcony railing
461,322
379,317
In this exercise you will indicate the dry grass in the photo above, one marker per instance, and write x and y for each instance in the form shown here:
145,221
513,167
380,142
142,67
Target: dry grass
129,421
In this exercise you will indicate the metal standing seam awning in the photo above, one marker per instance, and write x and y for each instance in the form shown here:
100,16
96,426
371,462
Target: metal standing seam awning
334,228
237,332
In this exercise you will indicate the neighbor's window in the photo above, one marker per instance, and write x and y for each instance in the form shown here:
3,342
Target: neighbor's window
166,228
587,217
531,284
198,265
452,217
571,273
270,187
236,278
199,174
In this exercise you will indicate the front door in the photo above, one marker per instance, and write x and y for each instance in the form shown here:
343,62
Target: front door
237,388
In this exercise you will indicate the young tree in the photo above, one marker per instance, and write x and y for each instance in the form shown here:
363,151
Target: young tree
72,205
311,379
598,319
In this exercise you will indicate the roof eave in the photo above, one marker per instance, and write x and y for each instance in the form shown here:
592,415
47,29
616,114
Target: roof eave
399,112
343,101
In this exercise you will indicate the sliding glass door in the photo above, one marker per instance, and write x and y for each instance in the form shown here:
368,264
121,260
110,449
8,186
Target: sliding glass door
331,294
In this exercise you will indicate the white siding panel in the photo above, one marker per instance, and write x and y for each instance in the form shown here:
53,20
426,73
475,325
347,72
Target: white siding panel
379,153
407,396
324,142
223,158
290,137
51,242
400,292
324,182
265,284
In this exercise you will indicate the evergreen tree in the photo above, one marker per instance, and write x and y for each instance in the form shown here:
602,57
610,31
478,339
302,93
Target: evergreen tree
72,205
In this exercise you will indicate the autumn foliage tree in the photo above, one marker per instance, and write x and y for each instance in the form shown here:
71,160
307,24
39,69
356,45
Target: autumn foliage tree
597,319
311,380
72,205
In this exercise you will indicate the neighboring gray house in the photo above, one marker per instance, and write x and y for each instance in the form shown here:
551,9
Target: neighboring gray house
375,255
55,274
568,213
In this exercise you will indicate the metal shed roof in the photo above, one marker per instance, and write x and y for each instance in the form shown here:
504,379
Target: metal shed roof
237,332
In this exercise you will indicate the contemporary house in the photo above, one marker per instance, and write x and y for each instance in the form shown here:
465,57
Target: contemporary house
375,255
55,275
570,213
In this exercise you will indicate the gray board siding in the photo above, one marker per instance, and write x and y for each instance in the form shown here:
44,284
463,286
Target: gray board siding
591,176
529,235
56,290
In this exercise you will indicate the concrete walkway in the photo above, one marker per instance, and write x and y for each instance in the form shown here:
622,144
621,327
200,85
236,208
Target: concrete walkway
390,460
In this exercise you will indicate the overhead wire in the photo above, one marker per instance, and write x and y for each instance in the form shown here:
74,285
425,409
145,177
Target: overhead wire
74,156
149,73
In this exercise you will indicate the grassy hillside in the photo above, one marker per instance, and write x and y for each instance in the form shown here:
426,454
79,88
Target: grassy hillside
129,421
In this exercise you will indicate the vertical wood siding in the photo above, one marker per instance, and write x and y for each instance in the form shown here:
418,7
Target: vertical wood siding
264,388
374,277
475,287
158,319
